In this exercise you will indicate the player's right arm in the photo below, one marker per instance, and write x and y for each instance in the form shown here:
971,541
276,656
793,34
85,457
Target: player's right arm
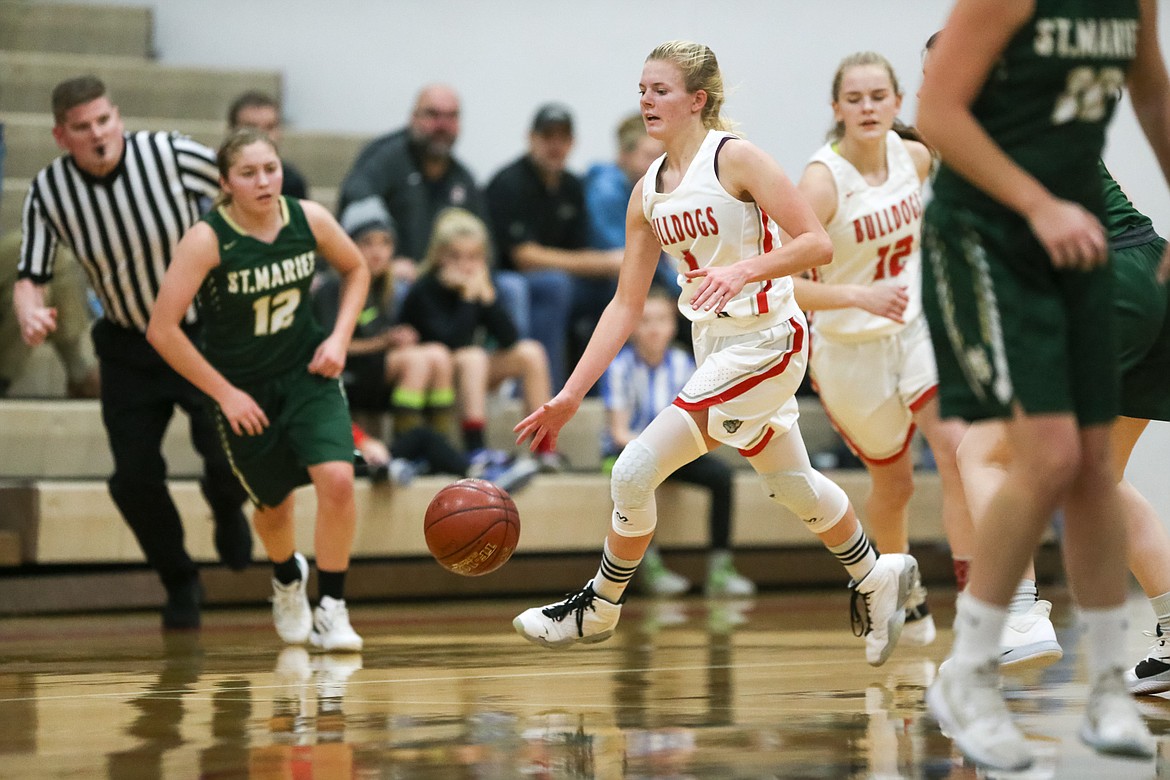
195,255
977,33
617,322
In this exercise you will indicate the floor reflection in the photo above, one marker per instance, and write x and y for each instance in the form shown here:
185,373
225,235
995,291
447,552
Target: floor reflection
768,688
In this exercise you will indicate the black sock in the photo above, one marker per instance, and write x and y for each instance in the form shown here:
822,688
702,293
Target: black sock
286,572
331,584
473,436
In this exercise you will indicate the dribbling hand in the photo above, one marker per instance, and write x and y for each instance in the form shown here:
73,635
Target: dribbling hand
546,422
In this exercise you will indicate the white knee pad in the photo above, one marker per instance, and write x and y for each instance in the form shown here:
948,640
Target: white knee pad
809,495
632,484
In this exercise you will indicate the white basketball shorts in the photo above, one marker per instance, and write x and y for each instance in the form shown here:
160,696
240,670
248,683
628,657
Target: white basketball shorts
871,389
747,382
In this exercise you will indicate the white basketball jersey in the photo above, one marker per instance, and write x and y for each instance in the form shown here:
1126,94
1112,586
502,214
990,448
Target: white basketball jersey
701,225
876,240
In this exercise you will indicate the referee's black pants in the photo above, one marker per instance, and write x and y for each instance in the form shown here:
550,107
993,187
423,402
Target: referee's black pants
139,395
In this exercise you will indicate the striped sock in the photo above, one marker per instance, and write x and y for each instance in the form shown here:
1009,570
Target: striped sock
614,575
473,435
857,555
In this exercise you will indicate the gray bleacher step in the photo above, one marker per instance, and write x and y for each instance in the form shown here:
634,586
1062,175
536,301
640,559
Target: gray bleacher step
323,158
74,521
65,439
71,28
139,87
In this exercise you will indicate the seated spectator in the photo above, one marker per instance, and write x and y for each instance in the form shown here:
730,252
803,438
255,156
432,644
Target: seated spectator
262,111
454,302
66,296
537,211
386,367
413,174
643,379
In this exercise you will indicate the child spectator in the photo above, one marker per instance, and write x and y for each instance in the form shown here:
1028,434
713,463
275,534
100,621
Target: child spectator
453,302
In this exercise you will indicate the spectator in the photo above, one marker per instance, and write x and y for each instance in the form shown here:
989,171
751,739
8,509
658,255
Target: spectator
386,367
414,176
607,193
423,451
454,303
139,391
262,111
538,222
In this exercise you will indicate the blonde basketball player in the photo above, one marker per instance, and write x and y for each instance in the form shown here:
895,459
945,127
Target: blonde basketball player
872,362
710,202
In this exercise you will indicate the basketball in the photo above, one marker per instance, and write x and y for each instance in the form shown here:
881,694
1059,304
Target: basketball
472,527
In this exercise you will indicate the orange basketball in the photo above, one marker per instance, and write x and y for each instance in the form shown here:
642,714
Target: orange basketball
472,527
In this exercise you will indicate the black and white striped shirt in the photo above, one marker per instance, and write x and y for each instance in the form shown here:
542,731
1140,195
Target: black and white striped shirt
124,226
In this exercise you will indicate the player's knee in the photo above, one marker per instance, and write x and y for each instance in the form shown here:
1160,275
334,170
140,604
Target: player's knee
632,484
818,501
634,476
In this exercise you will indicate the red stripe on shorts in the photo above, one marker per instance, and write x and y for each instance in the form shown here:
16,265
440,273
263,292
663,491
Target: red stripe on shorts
737,390
853,445
750,453
922,400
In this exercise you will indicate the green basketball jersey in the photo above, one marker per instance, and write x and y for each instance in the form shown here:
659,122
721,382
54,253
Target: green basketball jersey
257,317
1048,100
1121,217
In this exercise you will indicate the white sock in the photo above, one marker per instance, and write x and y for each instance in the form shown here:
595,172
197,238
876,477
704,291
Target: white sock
1161,605
1024,597
978,626
1105,645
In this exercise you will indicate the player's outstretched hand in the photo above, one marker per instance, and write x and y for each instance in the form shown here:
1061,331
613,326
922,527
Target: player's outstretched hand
242,413
547,421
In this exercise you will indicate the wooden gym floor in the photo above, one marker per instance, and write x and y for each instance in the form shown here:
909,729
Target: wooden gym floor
775,687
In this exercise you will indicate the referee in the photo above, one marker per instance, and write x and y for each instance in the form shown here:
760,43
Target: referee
121,201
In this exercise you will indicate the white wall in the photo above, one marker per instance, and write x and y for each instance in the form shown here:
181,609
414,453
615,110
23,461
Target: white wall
355,65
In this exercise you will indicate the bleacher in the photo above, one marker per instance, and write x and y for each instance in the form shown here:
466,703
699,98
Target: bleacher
57,522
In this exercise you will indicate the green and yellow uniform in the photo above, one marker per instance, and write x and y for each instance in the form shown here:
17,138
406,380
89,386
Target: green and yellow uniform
1140,307
1009,328
259,331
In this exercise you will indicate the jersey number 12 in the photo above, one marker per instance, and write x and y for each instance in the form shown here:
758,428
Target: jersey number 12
274,313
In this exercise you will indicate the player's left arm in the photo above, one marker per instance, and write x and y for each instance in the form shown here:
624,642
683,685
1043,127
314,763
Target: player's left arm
749,174
342,254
